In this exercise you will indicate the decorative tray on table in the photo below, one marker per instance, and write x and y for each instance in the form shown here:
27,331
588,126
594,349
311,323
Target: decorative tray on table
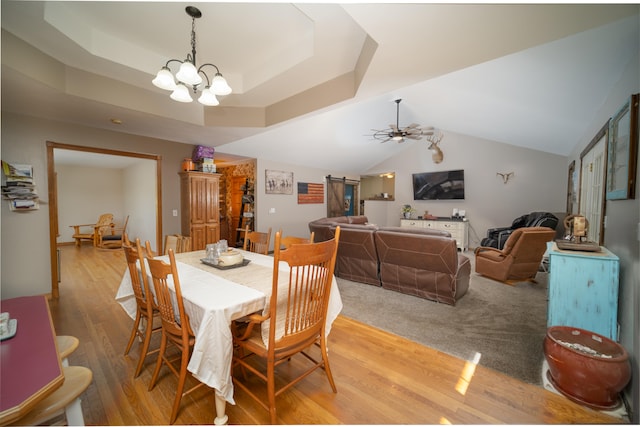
578,246
224,267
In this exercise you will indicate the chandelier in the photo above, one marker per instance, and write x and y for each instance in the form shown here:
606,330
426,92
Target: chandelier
190,76
398,134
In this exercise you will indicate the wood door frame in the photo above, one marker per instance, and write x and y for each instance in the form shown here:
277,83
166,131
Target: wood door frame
602,133
53,198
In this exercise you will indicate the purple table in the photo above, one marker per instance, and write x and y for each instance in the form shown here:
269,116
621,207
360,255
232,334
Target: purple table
30,367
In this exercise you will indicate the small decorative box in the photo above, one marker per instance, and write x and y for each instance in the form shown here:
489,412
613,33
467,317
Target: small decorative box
209,167
202,152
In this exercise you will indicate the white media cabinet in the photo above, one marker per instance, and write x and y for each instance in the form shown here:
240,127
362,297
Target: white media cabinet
459,229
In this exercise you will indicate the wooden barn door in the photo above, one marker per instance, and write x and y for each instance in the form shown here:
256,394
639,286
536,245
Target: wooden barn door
337,204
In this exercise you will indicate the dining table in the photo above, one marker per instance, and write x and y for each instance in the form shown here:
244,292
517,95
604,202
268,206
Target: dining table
30,365
214,297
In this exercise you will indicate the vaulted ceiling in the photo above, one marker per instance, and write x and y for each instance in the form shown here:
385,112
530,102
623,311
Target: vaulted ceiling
313,79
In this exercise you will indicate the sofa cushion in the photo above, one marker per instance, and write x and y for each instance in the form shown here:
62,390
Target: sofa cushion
322,227
358,219
420,231
424,264
357,258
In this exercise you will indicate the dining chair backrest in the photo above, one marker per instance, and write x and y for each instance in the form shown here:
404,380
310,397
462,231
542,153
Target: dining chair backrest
298,312
171,242
256,241
184,244
178,243
163,275
287,241
139,280
143,324
296,317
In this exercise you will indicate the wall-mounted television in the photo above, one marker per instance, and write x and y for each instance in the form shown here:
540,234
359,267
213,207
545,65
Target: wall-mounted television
443,185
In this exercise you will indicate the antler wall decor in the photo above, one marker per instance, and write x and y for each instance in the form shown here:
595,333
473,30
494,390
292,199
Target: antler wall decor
437,154
505,176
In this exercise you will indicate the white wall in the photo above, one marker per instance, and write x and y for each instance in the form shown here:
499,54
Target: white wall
289,216
84,193
24,236
140,200
538,184
622,232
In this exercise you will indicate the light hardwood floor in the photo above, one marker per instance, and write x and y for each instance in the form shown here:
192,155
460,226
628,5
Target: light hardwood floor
381,378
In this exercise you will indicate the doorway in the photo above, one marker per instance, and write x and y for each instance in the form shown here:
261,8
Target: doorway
52,147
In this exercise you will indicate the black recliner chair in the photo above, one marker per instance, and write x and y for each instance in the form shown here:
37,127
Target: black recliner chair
496,237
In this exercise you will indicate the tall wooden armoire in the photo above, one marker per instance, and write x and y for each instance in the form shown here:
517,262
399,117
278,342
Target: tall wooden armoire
199,201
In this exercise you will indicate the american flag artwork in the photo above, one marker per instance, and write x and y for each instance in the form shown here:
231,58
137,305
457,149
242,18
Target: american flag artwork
310,193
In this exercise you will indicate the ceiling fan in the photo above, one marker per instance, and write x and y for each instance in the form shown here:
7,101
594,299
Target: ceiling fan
398,134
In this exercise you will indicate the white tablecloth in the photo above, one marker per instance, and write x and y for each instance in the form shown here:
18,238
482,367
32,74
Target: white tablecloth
212,302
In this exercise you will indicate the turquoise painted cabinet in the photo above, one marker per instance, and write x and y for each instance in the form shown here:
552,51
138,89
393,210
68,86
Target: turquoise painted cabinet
583,290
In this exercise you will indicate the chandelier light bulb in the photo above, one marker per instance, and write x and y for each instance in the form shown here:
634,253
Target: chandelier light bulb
181,93
208,98
219,85
164,79
188,74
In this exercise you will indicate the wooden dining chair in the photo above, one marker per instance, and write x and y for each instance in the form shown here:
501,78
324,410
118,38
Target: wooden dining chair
256,241
296,319
146,309
287,241
176,329
177,242
184,244
171,242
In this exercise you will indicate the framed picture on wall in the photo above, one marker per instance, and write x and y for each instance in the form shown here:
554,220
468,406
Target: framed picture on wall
278,182
622,153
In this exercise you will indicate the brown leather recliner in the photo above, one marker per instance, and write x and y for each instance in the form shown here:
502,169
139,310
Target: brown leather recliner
357,259
519,259
424,263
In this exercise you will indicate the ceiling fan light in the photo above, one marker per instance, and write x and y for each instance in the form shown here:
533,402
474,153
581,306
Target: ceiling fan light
164,79
398,138
188,74
181,93
219,85
208,98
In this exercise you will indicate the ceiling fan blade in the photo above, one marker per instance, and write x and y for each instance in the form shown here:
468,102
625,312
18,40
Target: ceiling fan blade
410,136
413,125
394,127
383,141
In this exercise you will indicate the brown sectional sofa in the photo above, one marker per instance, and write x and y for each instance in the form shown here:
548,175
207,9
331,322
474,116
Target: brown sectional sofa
423,263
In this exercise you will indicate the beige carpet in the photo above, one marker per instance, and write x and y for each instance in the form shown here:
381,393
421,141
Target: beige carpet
505,324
